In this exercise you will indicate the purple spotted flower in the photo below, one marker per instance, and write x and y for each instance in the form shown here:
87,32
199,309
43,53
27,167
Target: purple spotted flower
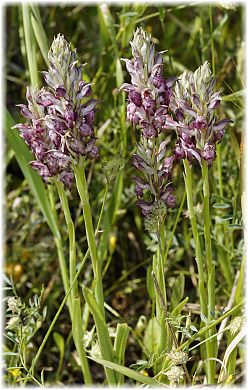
193,104
61,116
153,186
149,92
149,97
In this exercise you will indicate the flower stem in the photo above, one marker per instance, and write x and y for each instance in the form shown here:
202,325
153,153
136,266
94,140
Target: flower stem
205,329
198,249
41,347
82,188
198,252
76,317
158,271
60,248
84,196
173,229
71,234
67,296
164,309
211,344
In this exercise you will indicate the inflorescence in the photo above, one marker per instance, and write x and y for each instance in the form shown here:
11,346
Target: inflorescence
61,116
149,97
156,105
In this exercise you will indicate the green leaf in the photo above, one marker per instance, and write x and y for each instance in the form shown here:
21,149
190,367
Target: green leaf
235,226
149,283
239,293
152,335
10,354
128,372
119,73
102,332
107,26
221,206
204,318
110,215
192,327
60,342
39,31
23,157
120,343
161,11
179,307
178,291
234,96
30,45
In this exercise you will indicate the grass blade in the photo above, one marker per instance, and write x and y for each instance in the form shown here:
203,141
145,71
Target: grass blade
122,333
102,331
30,45
110,215
23,156
39,31
129,372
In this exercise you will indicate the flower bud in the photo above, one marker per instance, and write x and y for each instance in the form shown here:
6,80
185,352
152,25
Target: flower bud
135,97
209,154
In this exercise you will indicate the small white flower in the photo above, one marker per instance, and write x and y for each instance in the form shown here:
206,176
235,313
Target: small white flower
178,357
14,304
95,351
175,374
13,323
236,324
88,337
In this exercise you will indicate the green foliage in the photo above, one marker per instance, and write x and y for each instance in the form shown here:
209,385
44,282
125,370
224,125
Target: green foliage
191,34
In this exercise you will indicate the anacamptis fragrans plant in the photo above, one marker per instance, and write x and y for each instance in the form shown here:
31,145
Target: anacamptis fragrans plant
61,137
155,107
61,128
149,97
194,103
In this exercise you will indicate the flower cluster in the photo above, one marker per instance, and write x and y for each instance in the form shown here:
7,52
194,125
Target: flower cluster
175,374
61,127
149,93
178,357
155,106
149,97
193,104
236,324
155,168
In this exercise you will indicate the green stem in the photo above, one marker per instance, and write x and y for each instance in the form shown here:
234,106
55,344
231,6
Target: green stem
211,344
84,196
60,248
161,261
41,347
212,39
71,234
77,332
164,309
218,158
76,318
65,299
30,45
160,294
205,329
173,229
198,250
207,233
